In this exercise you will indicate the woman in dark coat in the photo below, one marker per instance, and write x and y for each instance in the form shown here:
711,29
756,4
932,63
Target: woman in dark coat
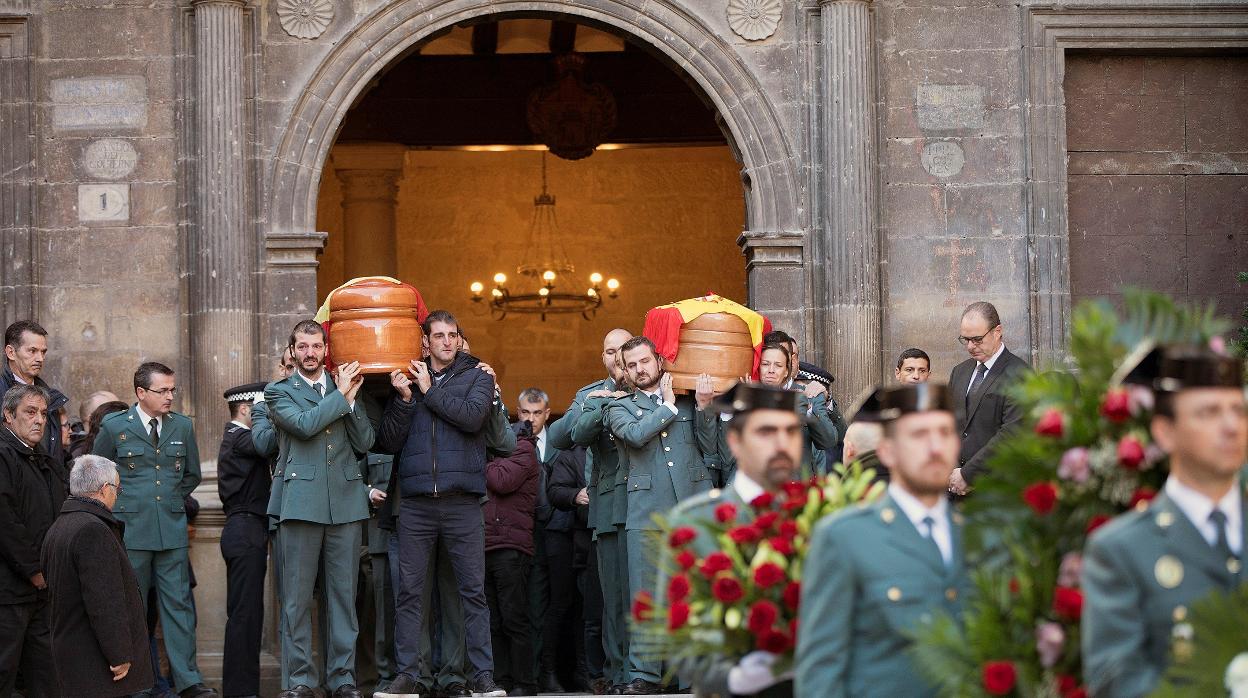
99,633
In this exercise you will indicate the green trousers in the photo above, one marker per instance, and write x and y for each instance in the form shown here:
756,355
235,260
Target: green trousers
169,571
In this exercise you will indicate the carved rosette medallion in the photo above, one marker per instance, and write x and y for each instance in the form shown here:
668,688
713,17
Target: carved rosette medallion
305,19
754,20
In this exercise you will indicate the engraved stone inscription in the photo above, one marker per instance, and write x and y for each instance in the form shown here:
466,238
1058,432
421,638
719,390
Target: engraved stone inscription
103,202
99,102
950,107
109,158
942,159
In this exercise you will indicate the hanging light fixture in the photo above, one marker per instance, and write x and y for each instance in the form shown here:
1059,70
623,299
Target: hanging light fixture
543,262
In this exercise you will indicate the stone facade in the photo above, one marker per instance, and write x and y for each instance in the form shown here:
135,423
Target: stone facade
162,163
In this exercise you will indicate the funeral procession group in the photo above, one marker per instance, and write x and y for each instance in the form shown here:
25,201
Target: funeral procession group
706,518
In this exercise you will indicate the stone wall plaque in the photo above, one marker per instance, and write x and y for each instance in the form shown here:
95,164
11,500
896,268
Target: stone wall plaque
101,102
103,202
942,159
950,107
109,158
305,19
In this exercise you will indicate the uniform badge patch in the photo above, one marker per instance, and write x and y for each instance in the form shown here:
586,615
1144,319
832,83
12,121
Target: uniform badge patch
1168,571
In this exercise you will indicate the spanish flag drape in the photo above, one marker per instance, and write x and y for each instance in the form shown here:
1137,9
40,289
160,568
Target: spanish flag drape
322,314
663,323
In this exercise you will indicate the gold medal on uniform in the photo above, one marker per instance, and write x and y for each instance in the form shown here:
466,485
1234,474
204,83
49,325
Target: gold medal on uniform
1168,571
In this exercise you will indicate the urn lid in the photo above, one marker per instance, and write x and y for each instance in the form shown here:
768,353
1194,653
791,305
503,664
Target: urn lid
374,293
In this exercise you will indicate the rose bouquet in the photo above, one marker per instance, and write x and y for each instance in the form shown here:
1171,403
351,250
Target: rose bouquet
731,582
1082,455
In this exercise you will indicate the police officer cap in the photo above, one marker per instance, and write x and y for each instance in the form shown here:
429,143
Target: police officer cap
886,403
747,397
1170,368
249,392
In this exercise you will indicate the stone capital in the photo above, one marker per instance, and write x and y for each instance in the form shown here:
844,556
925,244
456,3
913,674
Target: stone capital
369,156
772,248
826,3
293,250
230,3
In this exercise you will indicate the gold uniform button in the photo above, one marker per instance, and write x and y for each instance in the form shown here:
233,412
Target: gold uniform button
1233,566
1180,614
158,451
894,594
667,448
158,482
292,474
887,515
670,464
158,498
329,445
158,467
951,594
664,435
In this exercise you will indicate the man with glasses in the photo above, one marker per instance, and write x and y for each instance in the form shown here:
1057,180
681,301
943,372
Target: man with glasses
982,409
156,454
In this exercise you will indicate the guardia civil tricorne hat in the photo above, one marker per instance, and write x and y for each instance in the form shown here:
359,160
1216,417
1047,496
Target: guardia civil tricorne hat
889,402
1169,368
249,392
746,397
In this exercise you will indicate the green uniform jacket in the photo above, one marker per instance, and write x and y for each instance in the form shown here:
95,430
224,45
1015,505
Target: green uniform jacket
664,452
154,479
321,441
871,580
1140,572
263,434
377,474
585,428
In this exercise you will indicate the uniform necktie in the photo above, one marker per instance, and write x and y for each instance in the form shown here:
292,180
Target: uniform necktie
1221,544
155,431
657,400
978,378
320,390
928,532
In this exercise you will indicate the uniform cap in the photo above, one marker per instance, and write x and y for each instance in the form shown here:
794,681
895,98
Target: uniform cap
886,403
249,392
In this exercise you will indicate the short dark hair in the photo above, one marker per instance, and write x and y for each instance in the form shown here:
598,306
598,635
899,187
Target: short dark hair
305,327
236,406
986,310
20,391
1163,404
443,316
143,375
97,418
638,341
13,333
778,337
780,346
531,395
913,353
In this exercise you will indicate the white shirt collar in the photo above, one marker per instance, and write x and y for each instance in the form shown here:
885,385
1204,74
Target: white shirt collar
235,421
145,418
746,488
993,359
1197,508
942,533
541,444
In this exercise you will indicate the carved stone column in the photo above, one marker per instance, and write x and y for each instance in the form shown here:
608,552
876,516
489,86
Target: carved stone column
852,241
221,251
777,278
370,174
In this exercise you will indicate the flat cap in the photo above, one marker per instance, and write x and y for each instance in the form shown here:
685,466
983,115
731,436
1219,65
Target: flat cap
747,397
248,392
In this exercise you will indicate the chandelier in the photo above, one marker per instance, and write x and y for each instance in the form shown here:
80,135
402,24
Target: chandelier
543,262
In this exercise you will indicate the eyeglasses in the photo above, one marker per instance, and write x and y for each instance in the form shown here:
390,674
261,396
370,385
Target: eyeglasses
116,486
977,340
163,392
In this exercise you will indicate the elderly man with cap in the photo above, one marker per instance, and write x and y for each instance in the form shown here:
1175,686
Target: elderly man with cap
243,481
764,435
884,568
1143,570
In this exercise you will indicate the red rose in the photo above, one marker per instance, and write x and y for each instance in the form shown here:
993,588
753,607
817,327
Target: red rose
795,489
744,534
678,588
788,529
643,606
686,559
768,575
680,537
677,615
725,512
763,501
781,545
772,641
1051,423
999,678
1130,453
1144,494
714,563
763,615
1068,687
766,520
1095,522
793,629
1116,406
727,589
794,503
1068,603
792,595
1015,587
1041,497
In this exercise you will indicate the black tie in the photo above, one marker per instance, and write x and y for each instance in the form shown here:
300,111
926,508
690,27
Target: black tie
657,399
155,431
928,524
319,389
978,378
1222,545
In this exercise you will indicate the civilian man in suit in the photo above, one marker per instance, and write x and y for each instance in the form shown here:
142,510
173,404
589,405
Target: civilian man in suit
980,405
884,568
322,434
664,439
156,454
1143,570
243,480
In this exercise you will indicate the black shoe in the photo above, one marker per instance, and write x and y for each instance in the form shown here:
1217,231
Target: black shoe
522,691
347,691
403,686
483,686
642,687
600,686
300,691
199,690
455,690
549,683
581,683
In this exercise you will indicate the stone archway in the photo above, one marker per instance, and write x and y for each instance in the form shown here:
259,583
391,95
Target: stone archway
773,242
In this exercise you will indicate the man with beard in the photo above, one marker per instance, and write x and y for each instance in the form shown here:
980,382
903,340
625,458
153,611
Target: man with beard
766,441
883,569
663,438
1143,570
